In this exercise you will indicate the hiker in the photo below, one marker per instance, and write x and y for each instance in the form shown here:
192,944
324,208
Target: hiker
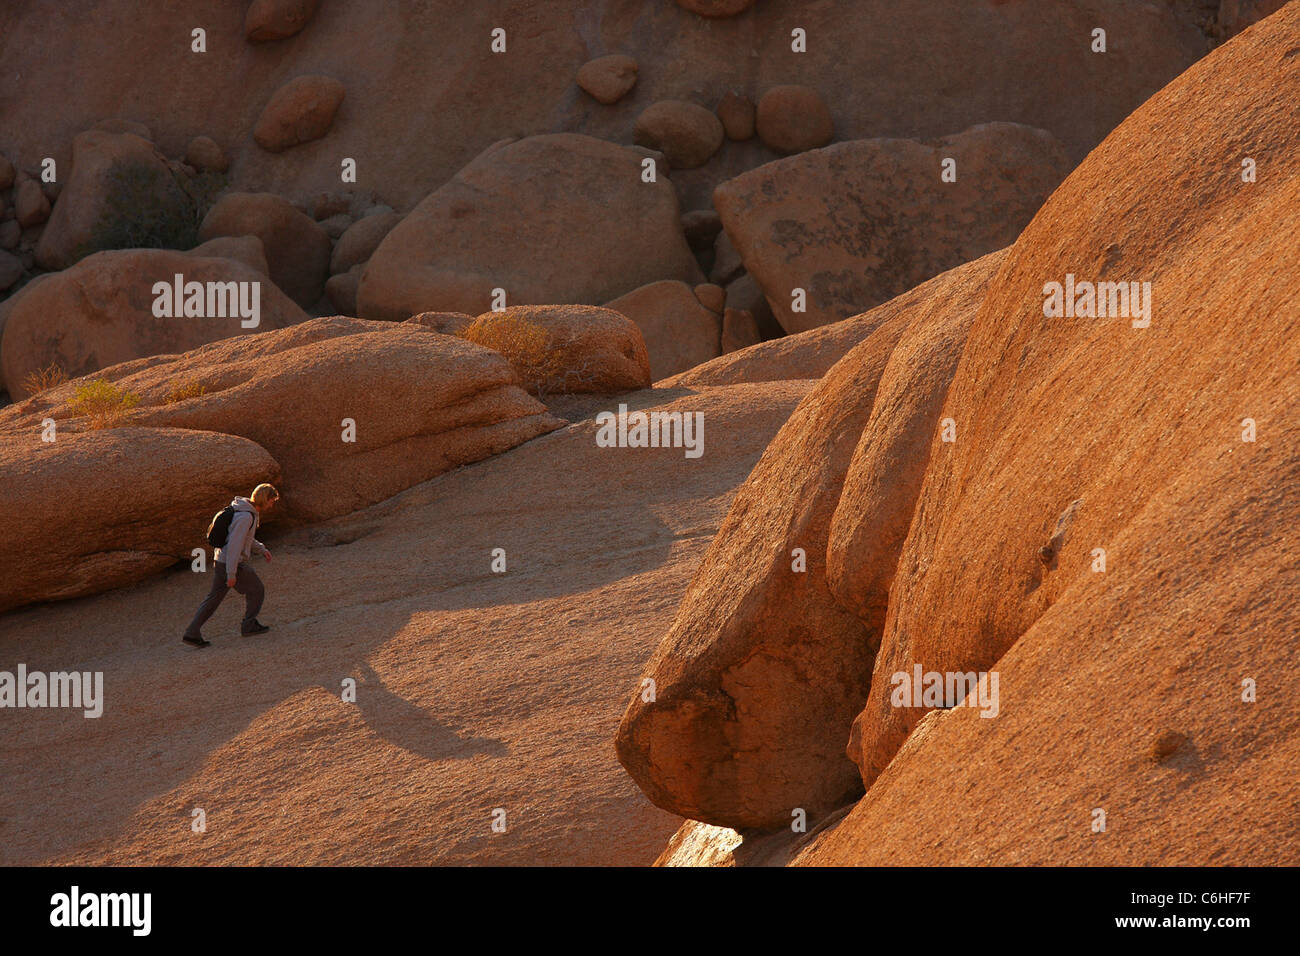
241,516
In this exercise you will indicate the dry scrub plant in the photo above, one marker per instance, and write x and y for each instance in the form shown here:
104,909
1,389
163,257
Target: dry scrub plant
103,403
526,345
180,391
44,379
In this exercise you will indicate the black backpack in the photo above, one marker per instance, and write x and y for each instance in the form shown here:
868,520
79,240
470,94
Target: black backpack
219,529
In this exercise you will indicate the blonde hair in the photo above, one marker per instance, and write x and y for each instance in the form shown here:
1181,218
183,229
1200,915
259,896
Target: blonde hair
264,493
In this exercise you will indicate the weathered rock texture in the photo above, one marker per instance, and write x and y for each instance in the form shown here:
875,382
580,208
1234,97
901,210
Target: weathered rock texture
884,479
598,351
686,133
855,224
549,219
811,354
679,331
101,312
736,111
205,155
297,248
433,103
360,240
300,111
92,511
341,290
120,193
791,119
756,682
1053,410
448,323
608,78
245,249
1143,428
1237,15
421,404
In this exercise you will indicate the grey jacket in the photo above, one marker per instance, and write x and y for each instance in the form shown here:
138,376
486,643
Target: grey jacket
240,543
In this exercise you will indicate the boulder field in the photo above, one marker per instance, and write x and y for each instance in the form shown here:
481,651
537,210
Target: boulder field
811,354
679,330
919,69
297,248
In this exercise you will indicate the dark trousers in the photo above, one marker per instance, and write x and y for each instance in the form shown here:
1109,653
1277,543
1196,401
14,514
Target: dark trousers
247,583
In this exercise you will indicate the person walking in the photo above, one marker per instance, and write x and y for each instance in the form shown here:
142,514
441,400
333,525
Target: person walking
231,568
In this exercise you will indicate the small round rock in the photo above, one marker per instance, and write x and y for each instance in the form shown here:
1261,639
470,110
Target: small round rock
608,78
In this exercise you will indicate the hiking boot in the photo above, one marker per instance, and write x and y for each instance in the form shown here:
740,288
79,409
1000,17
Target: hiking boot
195,641
257,627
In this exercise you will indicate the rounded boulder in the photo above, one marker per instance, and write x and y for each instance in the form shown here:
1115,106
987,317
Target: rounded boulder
685,133
300,111
793,119
297,248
